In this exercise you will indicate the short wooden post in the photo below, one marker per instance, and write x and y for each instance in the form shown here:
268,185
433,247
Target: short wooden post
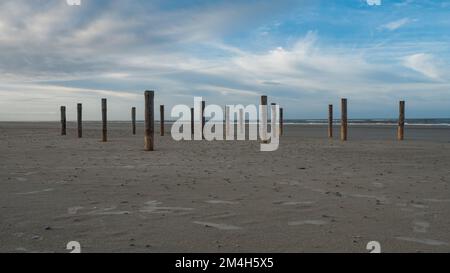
149,120
263,122
63,121
133,120
281,121
203,119
80,120
330,121
401,121
161,115
192,121
344,123
104,121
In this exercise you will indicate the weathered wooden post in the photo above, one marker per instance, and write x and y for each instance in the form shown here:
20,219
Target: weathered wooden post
149,120
161,115
273,121
192,121
281,121
344,123
63,121
263,122
273,128
80,120
241,123
104,121
203,118
401,121
330,121
133,120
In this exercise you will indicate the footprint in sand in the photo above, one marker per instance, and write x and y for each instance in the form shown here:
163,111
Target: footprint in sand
421,226
218,226
296,203
307,222
73,210
221,202
223,215
437,200
21,249
130,167
289,182
429,242
108,211
153,207
34,192
378,185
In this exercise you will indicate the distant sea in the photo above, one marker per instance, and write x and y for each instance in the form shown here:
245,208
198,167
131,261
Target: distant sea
386,122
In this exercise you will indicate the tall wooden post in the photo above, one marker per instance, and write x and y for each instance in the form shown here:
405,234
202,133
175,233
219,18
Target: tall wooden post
401,121
228,130
133,120
281,121
263,122
330,121
80,120
344,123
192,121
241,123
63,121
203,119
273,121
275,130
104,121
161,115
149,120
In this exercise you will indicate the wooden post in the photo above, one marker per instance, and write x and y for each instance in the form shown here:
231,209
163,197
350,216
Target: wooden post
192,121
80,120
273,121
133,120
330,121
149,120
104,121
241,123
161,114
263,122
63,121
275,131
401,121
228,130
344,123
281,121
203,118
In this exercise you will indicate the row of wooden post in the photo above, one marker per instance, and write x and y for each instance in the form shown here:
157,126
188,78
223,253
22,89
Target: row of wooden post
149,120
344,121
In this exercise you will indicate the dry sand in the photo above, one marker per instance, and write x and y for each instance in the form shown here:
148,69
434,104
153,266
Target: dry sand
312,195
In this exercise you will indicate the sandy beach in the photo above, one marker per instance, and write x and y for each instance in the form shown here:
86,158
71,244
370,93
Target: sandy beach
312,195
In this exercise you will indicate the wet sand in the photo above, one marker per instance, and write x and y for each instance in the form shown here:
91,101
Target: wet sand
312,195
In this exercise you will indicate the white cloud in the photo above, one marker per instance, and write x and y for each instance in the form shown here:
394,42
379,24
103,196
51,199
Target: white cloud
394,25
373,2
423,63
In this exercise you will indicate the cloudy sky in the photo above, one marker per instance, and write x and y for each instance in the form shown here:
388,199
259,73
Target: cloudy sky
302,54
